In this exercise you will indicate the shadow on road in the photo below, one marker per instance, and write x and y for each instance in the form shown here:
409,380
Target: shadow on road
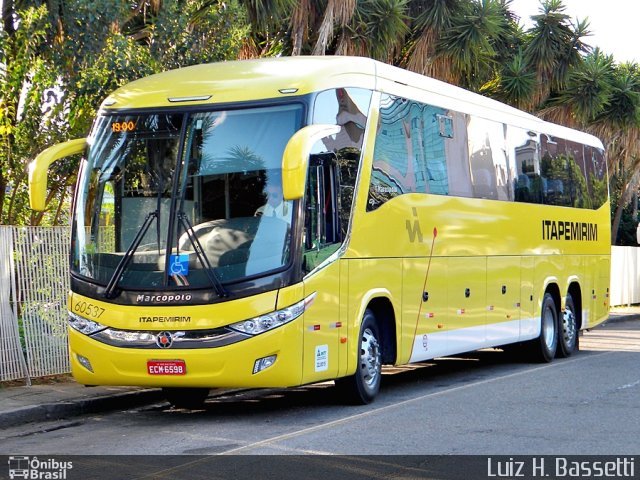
401,382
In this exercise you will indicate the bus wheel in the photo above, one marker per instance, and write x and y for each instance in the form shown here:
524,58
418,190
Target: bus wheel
543,349
182,397
363,386
568,331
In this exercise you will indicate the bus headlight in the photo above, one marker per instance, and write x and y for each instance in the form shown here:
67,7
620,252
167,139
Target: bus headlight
84,325
263,323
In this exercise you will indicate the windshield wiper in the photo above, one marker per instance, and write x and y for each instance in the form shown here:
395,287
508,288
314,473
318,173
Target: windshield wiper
202,256
128,255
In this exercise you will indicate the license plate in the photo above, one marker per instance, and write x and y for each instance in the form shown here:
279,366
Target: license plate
166,367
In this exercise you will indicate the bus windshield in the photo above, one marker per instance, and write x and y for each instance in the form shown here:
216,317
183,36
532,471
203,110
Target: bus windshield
170,200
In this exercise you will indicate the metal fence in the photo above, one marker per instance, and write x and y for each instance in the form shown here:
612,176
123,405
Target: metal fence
35,262
12,359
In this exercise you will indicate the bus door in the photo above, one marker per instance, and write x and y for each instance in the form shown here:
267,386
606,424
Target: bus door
322,323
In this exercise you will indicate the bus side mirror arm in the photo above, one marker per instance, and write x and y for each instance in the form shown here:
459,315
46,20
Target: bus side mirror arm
295,159
39,167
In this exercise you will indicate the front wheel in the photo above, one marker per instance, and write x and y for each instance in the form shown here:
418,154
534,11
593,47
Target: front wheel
568,331
363,386
543,348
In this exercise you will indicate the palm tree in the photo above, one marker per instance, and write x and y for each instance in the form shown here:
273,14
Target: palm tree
604,98
433,19
470,44
337,13
514,84
553,46
619,125
586,92
304,14
268,20
379,29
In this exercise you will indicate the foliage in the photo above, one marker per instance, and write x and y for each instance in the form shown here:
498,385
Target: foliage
25,80
198,32
469,44
55,70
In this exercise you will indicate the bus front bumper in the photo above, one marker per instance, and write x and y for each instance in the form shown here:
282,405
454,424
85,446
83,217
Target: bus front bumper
234,365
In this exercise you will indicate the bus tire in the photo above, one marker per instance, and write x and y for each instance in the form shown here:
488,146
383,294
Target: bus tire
568,331
543,349
362,387
183,397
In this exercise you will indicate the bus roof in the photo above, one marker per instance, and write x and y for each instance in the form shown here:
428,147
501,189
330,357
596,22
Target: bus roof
268,78
244,80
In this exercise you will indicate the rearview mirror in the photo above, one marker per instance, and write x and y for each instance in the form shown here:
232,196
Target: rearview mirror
39,167
295,159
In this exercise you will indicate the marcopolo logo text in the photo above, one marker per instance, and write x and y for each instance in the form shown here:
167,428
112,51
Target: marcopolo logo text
165,298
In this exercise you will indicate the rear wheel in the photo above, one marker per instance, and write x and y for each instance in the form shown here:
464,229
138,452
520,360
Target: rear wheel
568,331
543,348
363,386
182,397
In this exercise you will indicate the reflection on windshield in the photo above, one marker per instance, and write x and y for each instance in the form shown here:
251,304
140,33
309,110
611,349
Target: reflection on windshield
228,188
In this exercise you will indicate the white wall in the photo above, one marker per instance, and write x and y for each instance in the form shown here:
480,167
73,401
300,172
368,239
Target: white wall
625,276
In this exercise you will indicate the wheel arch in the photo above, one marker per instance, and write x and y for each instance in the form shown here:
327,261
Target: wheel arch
576,294
380,302
383,310
553,289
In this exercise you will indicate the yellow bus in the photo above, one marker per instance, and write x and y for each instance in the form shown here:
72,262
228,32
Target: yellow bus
280,222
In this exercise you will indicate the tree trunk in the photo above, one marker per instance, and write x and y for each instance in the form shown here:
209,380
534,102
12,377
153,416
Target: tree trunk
7,17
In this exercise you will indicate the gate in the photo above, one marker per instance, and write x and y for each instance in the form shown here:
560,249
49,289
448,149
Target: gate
34,268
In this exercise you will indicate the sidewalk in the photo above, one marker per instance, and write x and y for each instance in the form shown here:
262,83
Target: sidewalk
624,313
57,400
66,398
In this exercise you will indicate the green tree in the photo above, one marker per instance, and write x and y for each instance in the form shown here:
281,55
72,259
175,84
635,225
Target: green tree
56,72
603,98
433,19
552,46
471,45
26,80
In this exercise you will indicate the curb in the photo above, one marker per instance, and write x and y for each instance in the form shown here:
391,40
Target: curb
621,317
64,409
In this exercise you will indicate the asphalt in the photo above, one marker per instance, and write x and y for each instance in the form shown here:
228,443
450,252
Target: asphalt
62,398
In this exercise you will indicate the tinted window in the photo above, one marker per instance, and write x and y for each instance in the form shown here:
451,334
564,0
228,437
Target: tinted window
596,175
424,149
347,107
414,150
490,172
524,148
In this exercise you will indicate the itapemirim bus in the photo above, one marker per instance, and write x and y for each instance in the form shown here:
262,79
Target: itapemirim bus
279,222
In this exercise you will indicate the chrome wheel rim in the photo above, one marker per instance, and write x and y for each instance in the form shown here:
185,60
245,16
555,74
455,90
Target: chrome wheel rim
568,326
548,328
370,364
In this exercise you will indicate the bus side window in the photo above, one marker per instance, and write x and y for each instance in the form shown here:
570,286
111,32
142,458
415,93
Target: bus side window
524,152
322,232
